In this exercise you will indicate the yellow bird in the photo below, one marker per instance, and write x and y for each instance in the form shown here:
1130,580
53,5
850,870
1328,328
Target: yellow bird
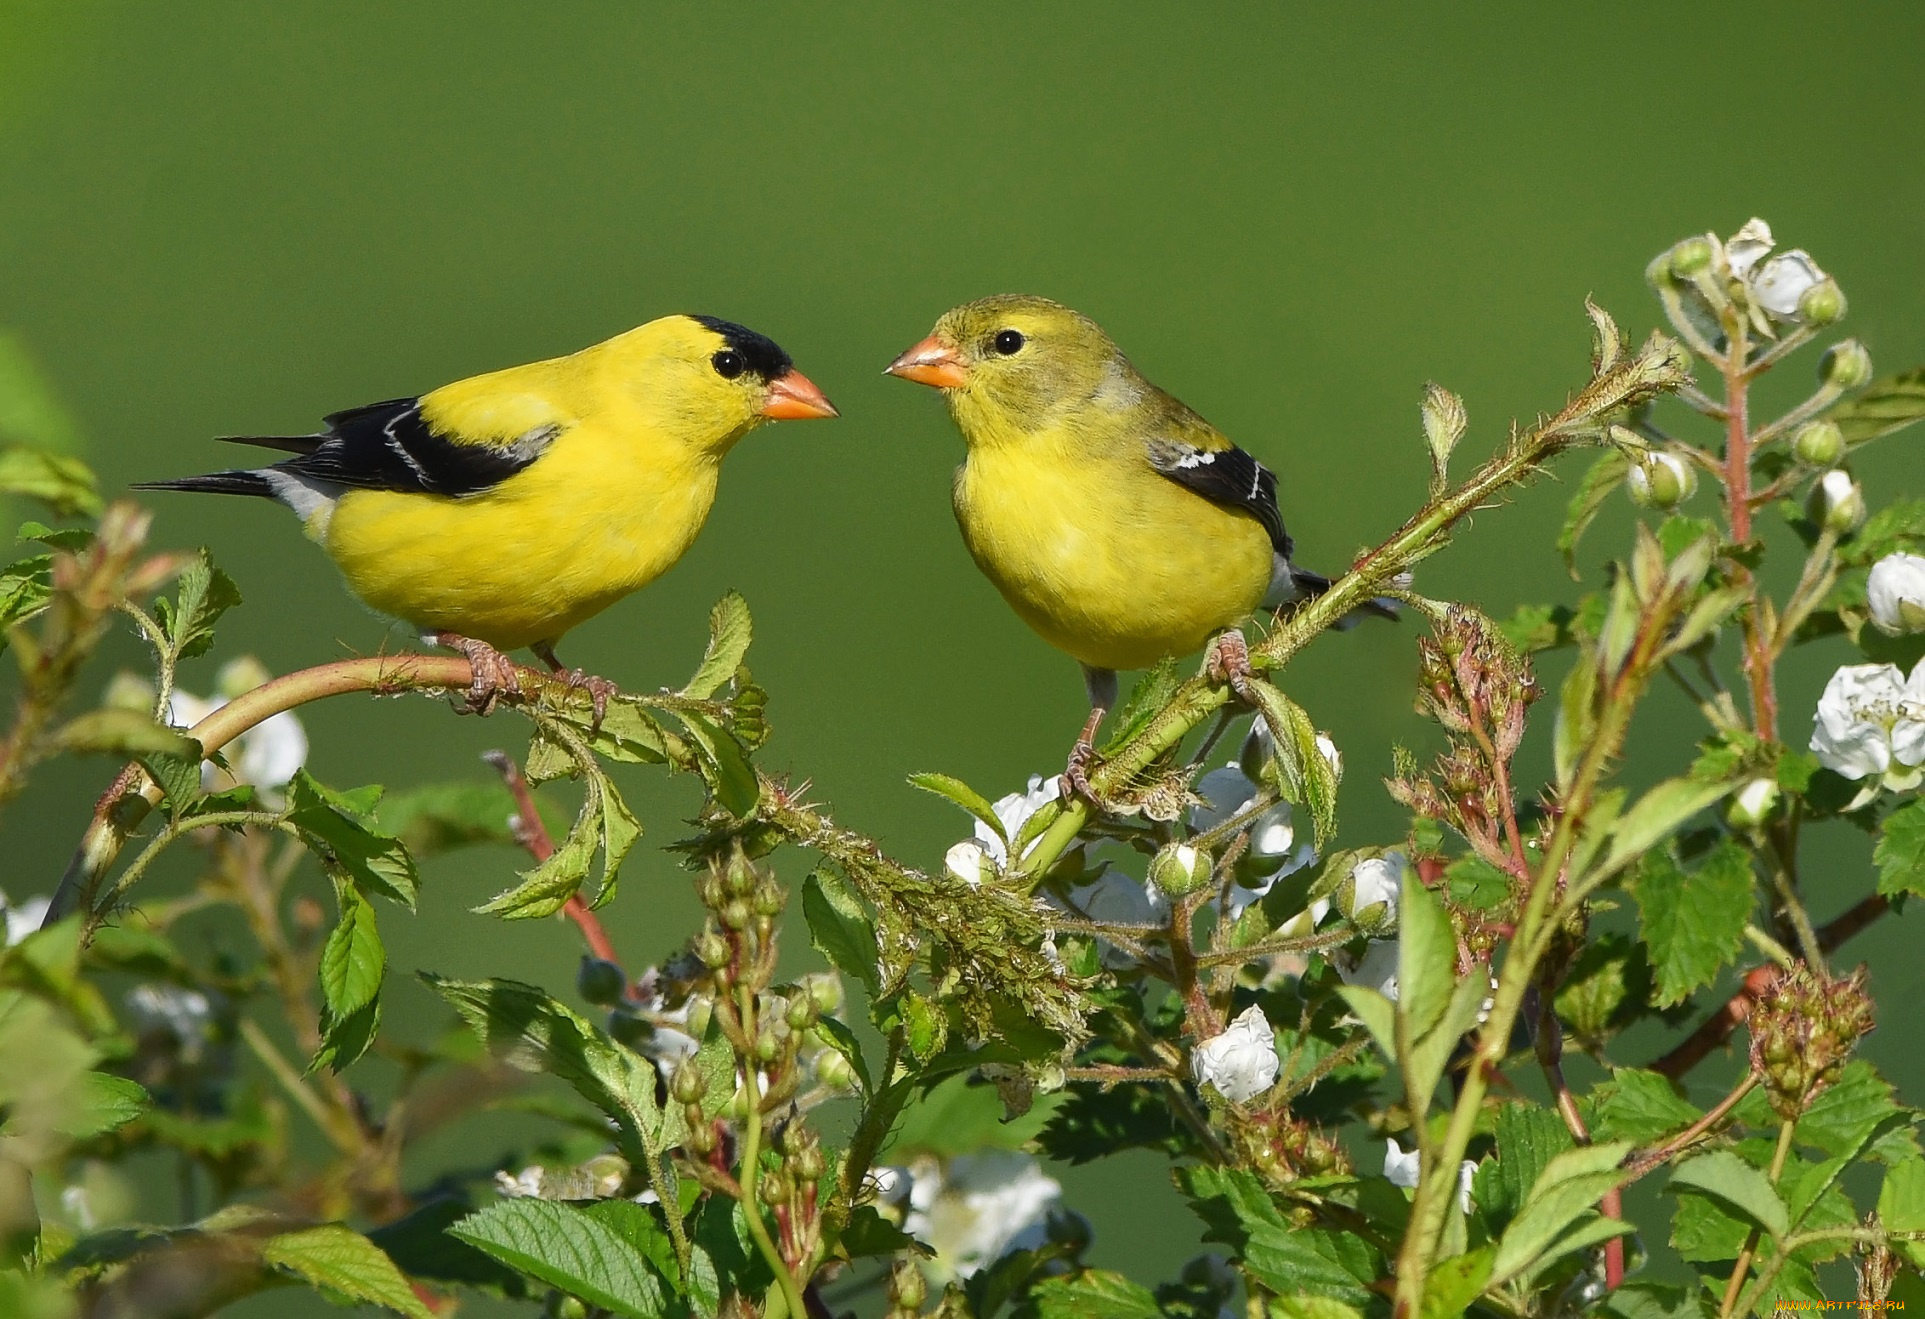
1116,522
502,510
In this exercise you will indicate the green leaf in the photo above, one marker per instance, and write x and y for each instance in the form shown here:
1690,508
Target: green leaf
964,796
440,817
342,1260
569,1250
101,1102
1306,778
960,1116
1570,1187
1528,1138
353,963
1426,961
65,484
1657,814
837,1035
335,828
1606,475
1444,422
1693,924
605,825
1900,853
1576,716
123,733
1093,1294
1851,1110
840,929
869,1233
725,766
729,634
1730,1179
205,594
1151,692
1377,1013
537,1034
1455,1282
1885,406
1475,883
1316,1307
1901,1207
1290,1260
179,778
1655,1300
1640,1106
420,1247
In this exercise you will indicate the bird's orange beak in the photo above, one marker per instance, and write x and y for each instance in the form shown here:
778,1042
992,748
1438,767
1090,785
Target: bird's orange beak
792,396
931,362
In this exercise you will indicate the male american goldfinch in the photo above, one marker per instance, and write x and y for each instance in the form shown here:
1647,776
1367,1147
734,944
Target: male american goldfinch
504,509
1119,524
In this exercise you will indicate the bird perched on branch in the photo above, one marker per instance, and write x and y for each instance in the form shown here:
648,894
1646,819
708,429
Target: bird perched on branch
1116,522
504,509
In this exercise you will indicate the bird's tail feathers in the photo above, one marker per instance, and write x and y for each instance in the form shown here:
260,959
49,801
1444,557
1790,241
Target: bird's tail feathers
1296,584
285,443
217,483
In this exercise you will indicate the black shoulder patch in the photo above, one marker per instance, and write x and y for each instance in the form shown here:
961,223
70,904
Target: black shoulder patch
765,358
389,446
1229,477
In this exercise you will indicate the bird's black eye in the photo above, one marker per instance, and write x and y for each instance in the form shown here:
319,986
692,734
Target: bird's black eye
1009,342
727,363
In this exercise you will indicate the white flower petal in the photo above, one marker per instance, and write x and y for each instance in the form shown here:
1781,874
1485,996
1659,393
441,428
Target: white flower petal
272,751
1748,246
978,1207
1376,969
25,918
1014,811
1895,593
1401,1169
968,861
1241,1063
1229,794
1861,710
1783,280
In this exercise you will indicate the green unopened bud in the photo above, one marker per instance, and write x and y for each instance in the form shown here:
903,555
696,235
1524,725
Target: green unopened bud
1822,304
768,899
129,691
807,1164
825,989
1691,257
735,914
628,1028
689,1083
739,878
712,949
1837,502
834,1070
600,982
701,1132
241,675
1180,869
1660,480
709,890
776,1187
768,1046
800,1013
1752,804
1846,365
562,1306
1819,444
907,1287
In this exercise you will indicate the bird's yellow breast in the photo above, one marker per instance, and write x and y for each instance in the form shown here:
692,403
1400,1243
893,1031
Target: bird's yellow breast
598,515
1106,559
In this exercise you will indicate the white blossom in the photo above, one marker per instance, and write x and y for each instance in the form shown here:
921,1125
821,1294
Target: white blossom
1837,501
1241,1063
186,1014
976,1208
1782,281
524,1185
1013,812
1895,593
1327,748
1746,248
1373,881
1274,850
1752,804
23,919
1401,1169
1375,968
1871,724
967,861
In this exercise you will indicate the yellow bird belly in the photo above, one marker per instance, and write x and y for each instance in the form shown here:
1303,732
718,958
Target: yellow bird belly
595,518
1119,573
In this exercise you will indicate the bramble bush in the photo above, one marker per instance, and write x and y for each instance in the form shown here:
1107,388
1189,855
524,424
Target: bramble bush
1352,1053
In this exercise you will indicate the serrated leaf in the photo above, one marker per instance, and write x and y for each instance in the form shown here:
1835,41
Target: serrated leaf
1576,716
1657,814
64,484
1693,923
1726,1176
1377,1013
840,929
179,779
1607,348
1426,961
101,1102
725,766
203,595
1901,1207
1454,1283
730,632
1640,1106
353,962
547,885
1885,406
124,733
1850,1111
1605,475
1093,1294
955,790
1150,693
420,1247
335,828
1424,1061
342,1260
1570,1187
568,1249
1653,1300
837,1035
1305,777
1900,853
1444,422
1528,1138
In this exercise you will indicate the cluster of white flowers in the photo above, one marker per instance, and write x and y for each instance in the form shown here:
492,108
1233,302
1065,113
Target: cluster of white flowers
1402,1169
985,853
1871,726
971,1209
1778,286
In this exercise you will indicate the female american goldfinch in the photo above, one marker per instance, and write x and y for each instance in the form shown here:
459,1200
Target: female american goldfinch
1119,524
502,510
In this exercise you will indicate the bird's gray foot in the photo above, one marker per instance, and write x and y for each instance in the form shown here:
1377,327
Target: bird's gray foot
495,675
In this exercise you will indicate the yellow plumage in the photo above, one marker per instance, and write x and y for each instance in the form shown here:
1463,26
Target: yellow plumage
509,507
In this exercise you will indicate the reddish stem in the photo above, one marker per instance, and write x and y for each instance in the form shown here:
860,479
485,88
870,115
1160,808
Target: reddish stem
532,834
1737,482
1550,1055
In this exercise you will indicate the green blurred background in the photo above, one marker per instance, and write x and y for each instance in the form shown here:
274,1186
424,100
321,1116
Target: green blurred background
223,217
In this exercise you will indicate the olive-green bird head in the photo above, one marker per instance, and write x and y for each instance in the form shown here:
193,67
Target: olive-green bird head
707,381
1018,362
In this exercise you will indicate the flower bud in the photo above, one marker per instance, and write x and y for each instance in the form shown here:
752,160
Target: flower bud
1690,257
1819,444
776,1187
1837,503
1752,804
709,891
701,1132
825,987
562,1306
1846,365
241,675
600,982
712,949
739,878
907,1287
1180,869
129,691
735,914
1661,480
807,1163
968,862
628,1028
689,1083
1822,304
800,1013
1895,594
834,1070
768,899
768,1046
